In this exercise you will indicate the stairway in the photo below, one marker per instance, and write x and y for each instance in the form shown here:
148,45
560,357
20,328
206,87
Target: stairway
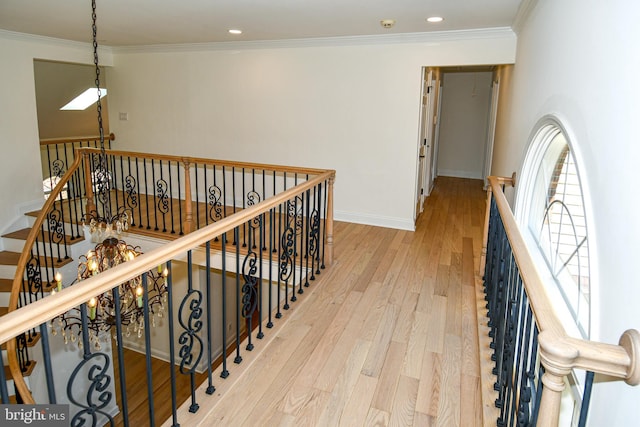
13,243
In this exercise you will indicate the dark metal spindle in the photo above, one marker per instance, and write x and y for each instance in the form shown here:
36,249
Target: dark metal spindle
225,372
271,249
210,389
179,200
146,194
147,347
197,197
173,229
120,350
172,351
46,358
586,399
238,358
155,202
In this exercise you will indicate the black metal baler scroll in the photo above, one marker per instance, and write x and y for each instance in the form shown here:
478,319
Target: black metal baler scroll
191,346
514,332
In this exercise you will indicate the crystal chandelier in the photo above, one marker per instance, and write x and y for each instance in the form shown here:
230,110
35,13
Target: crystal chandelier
128,298
102,315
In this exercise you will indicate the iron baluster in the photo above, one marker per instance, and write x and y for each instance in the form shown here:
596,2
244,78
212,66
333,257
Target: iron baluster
210,388
191,326
225,372
147,346
48,369
244,224
325,224
271,249
238,358
179,202
260,334
280,236
96,366
155,201
195,169
172,351
171,193
131,195
120,350
146,193
4,392
233,194
139,195
163,199
586,399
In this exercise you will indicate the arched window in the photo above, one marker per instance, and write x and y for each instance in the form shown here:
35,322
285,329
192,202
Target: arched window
551,209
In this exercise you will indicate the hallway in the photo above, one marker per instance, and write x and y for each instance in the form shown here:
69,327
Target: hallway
387,336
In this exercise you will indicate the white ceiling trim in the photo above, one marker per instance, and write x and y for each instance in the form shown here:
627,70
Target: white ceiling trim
34,38
402,38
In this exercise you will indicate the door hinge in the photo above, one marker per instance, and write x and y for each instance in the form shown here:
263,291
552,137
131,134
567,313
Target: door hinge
421,191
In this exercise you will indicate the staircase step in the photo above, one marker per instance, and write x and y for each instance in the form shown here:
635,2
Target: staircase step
7,284
24,233
31,343
11,258
26,373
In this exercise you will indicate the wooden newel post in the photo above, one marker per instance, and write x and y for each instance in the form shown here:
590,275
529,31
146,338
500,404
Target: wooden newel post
188,209
557,359
329,220
88,185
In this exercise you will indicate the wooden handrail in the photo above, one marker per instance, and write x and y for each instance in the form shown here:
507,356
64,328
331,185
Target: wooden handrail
19,320
18,279
53,141
560,353
38,312
217,162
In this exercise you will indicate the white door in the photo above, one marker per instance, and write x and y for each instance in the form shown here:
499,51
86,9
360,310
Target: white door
430,125
424,164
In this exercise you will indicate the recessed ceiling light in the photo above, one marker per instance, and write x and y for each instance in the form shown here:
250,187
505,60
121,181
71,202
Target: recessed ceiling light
434,19
232,31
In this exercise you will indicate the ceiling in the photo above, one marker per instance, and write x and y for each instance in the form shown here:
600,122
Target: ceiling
151,22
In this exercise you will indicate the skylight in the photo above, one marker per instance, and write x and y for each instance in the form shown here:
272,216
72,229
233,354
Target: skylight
85,99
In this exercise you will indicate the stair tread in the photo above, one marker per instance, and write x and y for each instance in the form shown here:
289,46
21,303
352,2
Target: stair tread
11,258
26,373
30,343
7,284
24,233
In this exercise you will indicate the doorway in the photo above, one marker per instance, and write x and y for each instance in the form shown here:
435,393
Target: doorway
458,113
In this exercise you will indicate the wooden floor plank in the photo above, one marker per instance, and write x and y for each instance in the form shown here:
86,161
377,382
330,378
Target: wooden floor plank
389,330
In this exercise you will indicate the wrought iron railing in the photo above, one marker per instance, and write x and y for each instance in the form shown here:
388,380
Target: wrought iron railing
263,232
532,353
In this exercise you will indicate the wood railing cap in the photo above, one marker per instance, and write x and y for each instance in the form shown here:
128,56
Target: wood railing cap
559,352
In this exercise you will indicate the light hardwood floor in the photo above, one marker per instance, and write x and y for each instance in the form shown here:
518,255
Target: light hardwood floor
386,336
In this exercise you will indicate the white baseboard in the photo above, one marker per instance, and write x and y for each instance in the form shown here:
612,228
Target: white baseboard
375,220
459,174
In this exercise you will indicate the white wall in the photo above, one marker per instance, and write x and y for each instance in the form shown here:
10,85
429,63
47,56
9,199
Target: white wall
353,108
463,124
56,84
19,142
579,60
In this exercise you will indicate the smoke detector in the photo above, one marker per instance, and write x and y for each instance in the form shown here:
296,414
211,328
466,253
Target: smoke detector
388,23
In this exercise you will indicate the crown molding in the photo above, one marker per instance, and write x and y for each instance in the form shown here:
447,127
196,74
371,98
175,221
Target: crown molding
34,38
524,10
402,38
